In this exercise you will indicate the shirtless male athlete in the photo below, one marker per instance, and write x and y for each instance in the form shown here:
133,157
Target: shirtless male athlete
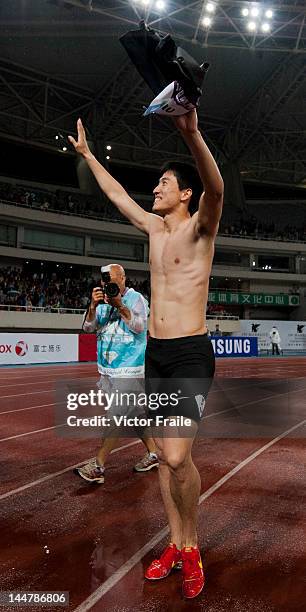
181,254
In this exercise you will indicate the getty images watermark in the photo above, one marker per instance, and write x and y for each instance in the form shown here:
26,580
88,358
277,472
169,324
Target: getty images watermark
127,407
124,407
110,402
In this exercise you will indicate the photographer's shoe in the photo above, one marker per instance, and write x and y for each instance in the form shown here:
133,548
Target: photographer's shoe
169,560
91,472
193,575
148,462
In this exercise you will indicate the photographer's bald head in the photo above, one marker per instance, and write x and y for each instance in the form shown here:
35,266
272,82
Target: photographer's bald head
117,275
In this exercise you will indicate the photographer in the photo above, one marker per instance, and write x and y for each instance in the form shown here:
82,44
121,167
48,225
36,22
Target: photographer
118,315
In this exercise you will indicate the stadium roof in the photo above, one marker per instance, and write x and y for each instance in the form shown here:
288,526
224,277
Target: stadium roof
62,59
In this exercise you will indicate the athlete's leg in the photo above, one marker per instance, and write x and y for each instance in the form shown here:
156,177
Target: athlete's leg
172,511
180,486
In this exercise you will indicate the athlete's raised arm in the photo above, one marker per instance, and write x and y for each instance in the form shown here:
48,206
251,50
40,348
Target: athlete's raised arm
112,189
211,201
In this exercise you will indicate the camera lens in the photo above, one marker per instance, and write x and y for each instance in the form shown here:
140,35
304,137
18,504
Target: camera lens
111,290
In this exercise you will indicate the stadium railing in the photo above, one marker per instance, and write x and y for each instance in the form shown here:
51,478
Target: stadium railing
114,219
47,309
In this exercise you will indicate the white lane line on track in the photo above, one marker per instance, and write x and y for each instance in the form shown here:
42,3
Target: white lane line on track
47,372
28,408
40,382
49,366
54,474
39,377
130,564
30,433
29,393
34,392
68,365
25,384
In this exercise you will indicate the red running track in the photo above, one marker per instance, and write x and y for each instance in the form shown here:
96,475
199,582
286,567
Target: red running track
252,515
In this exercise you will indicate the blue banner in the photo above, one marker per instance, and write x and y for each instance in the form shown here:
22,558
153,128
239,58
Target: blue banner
234,346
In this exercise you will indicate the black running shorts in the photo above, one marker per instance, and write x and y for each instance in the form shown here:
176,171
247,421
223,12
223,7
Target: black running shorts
182,366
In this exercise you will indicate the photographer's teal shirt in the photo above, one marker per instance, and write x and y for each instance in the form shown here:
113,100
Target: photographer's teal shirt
121,344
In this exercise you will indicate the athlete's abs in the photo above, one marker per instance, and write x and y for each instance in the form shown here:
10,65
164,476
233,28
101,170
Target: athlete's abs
180,272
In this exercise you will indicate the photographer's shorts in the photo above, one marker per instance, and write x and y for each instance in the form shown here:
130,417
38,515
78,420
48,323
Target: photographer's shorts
183,366
123,391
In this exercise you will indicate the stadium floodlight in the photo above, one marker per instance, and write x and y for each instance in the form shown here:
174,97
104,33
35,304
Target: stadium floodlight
252,26
108,157
269,14
109,147
145,2
254,11
160,5
207,22
210,7
56,137
64,149
265,27
245,12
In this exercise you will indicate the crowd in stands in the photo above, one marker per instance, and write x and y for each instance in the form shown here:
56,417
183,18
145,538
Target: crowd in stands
38,290
60,201
60,292
53,291
242,224
252,227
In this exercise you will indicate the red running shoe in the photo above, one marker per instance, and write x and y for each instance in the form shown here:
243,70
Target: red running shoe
193,575
169,560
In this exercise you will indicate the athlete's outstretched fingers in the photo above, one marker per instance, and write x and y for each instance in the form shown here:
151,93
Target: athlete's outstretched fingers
73,141
80,145
81,130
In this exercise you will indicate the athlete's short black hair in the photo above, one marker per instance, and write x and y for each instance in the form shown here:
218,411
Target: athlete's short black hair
188,178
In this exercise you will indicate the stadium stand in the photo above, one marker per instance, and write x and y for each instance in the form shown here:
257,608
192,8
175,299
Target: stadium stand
266,222
50,291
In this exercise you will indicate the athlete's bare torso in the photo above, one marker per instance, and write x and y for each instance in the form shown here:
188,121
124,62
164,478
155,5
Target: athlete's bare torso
180,264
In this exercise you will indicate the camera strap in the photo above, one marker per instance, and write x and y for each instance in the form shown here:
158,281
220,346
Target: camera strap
110,314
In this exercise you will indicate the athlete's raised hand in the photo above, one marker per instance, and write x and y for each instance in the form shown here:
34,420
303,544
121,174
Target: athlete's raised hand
188,123
80,145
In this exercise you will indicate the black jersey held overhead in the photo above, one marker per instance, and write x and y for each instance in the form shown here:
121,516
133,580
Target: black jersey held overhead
160,62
